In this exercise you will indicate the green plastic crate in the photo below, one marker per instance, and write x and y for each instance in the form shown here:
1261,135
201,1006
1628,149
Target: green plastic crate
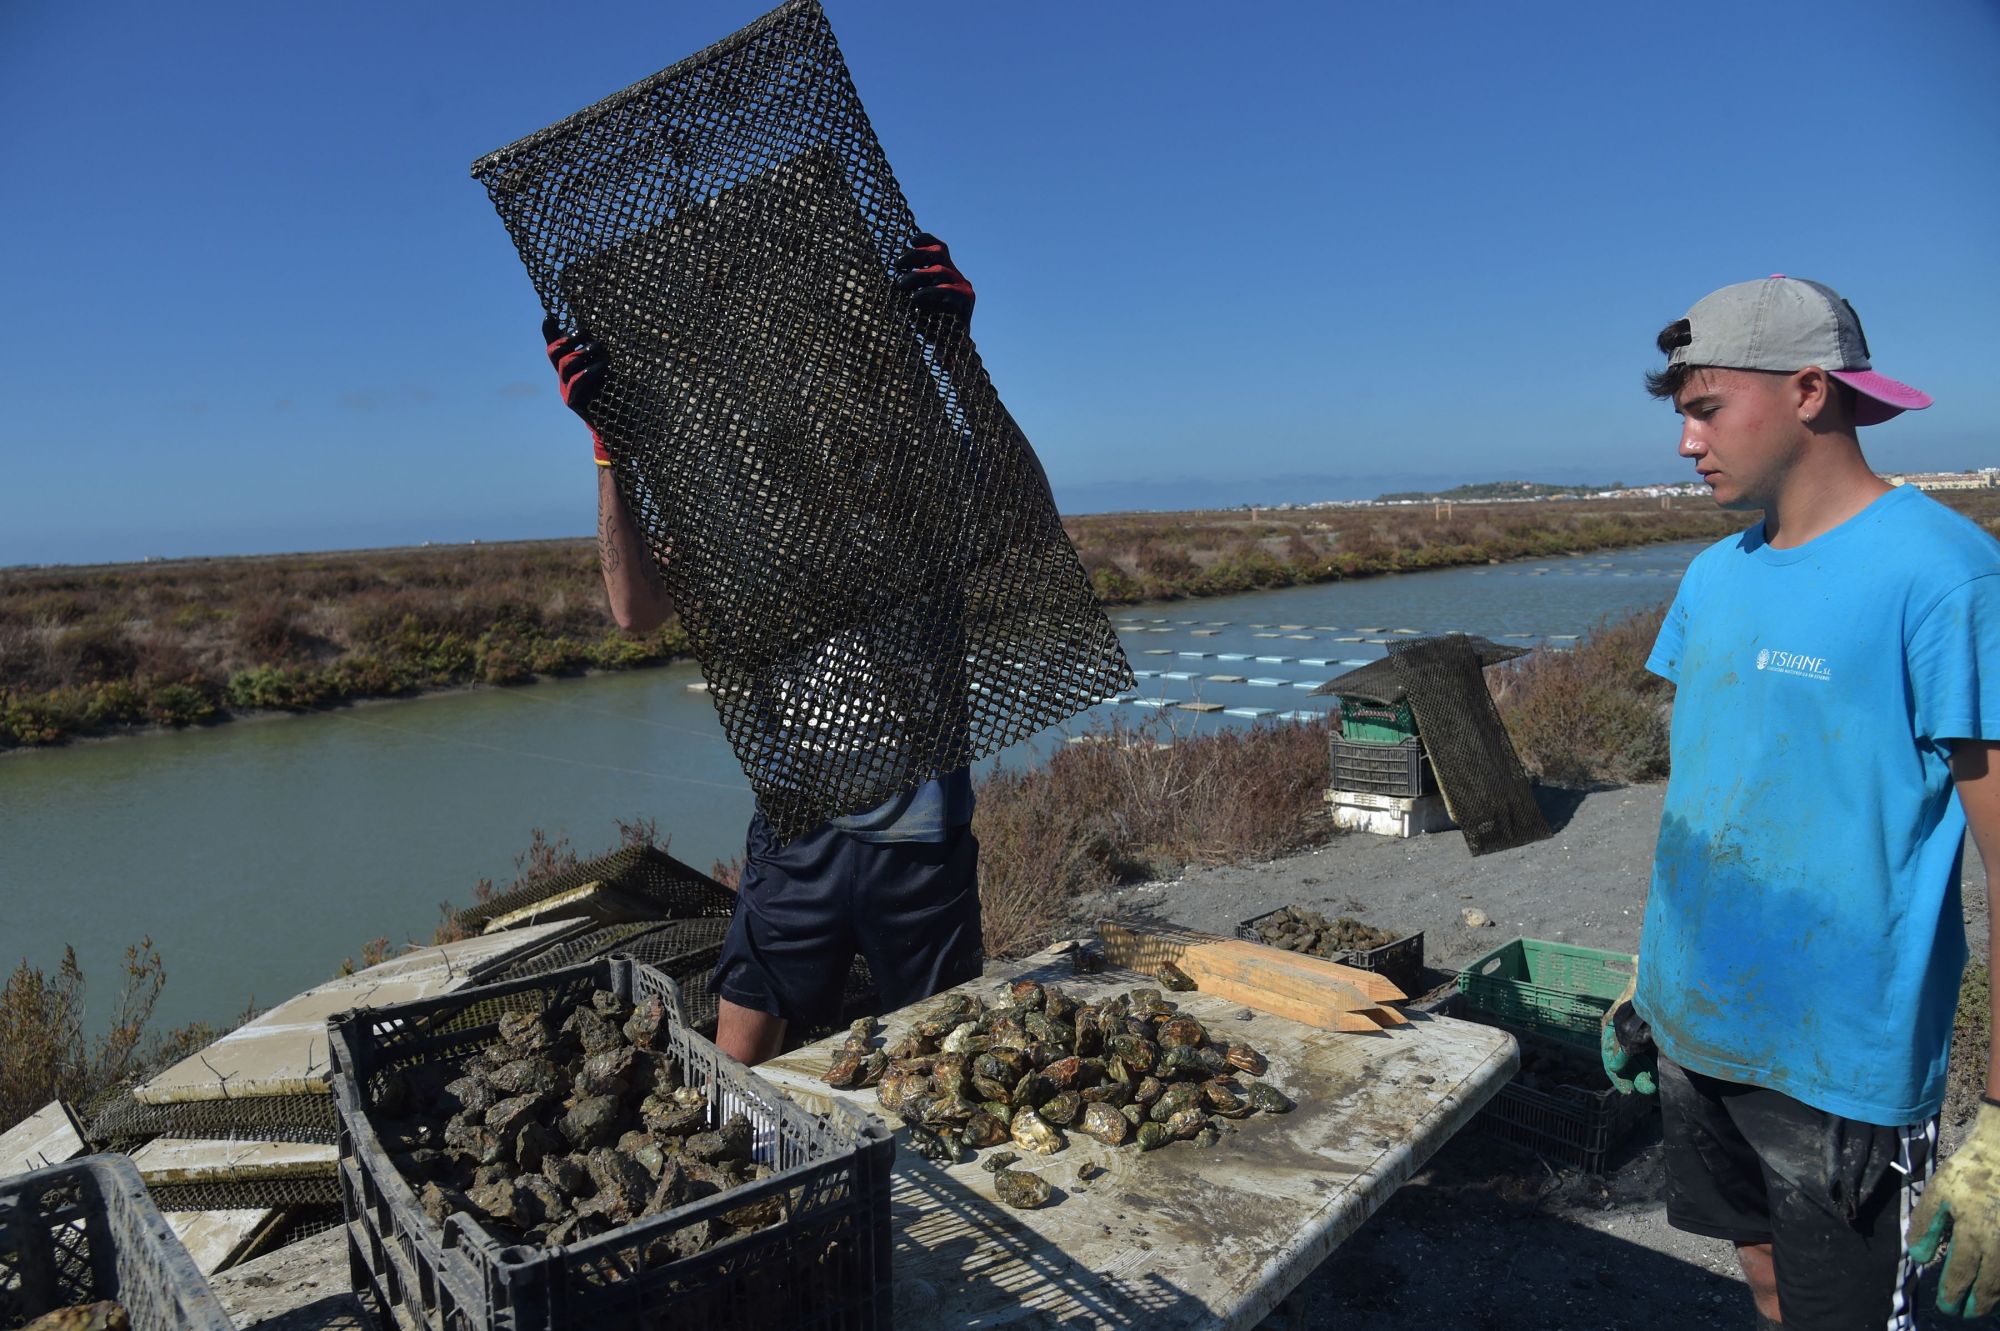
1367,722
1550,989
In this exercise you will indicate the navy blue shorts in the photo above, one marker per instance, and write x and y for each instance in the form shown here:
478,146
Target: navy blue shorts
910,908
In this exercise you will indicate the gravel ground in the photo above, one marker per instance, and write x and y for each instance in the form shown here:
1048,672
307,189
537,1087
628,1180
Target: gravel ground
1488,1237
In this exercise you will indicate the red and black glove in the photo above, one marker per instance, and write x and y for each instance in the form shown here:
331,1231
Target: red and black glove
934,283
581,369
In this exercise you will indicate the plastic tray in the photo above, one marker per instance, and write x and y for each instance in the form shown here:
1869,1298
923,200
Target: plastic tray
1555,990
1577,1124
826,1265
1377,723
86,1230
1381,769
1400,961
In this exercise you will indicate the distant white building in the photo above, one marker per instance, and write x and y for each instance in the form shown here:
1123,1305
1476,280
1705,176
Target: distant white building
1946,480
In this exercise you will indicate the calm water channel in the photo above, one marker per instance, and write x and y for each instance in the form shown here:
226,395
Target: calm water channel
257,854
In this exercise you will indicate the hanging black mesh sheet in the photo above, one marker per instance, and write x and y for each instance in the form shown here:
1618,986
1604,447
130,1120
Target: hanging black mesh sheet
1477,770
861,544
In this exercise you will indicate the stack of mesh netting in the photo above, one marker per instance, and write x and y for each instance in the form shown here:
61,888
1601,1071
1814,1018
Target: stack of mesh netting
647,877
122,1122
860,542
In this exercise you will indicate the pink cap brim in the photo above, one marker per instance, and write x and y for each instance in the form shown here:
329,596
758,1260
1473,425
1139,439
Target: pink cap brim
1881,397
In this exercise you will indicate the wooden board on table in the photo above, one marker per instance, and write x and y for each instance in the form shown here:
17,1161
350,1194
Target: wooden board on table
1318,993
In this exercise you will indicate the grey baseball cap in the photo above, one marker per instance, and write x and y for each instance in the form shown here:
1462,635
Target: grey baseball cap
1785,324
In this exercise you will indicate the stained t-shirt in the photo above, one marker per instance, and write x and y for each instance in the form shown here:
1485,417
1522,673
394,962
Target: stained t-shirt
1804,931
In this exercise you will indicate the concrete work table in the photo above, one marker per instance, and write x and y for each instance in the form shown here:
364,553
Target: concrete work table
1181,1236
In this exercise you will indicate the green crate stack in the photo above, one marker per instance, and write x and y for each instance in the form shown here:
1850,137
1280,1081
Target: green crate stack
1368,722
1555,990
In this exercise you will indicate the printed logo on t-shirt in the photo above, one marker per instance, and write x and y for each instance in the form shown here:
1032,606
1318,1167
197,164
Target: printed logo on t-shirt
1795,663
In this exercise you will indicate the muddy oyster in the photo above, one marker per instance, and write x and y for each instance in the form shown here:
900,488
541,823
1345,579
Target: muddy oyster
1019,1188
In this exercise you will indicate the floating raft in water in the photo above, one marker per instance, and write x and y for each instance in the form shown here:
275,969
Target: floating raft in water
1201,707
1225,679
1263,683
1247,713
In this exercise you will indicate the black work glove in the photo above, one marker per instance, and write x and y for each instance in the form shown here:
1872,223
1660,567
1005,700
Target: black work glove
934,283
581,369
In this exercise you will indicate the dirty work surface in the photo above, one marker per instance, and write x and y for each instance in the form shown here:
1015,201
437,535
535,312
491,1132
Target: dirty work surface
1179,1236
1487,1238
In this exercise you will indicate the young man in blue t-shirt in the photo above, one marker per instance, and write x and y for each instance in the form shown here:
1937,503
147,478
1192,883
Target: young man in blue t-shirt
1835,724
899,884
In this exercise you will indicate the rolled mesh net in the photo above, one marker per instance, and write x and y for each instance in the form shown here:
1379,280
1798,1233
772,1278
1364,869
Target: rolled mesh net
860,542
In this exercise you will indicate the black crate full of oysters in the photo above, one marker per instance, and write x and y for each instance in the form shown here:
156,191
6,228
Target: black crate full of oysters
563,1152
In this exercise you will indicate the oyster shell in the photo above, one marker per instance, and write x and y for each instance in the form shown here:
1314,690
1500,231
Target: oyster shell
1245,1059
983,1129
1017,1188
1174,978
1063,1108
1032,1132
936,1146
1269,1098
1105,1124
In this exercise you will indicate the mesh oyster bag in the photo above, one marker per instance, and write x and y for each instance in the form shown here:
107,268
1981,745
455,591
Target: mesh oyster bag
860,542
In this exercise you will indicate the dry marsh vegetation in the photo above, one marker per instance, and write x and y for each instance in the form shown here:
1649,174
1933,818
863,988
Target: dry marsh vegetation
94,650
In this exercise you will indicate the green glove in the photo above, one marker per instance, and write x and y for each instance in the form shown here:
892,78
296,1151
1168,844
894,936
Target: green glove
1626,1043
1966,1191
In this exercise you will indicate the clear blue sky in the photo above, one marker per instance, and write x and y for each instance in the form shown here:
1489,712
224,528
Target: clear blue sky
255,302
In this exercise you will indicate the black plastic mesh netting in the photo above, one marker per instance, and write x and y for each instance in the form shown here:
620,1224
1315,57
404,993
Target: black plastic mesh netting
859,540
124,1122
243,1194
1477,770
645,874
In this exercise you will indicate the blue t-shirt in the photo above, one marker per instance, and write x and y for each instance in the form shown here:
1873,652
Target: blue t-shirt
1804,931
931,812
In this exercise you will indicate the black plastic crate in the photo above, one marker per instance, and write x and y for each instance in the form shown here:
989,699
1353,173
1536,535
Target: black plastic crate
1400,961
87,1230
825,1266
1382,769
1573,1117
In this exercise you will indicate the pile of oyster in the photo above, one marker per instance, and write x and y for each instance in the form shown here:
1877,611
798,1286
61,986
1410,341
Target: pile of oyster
1297,929
1128,1070
556,1133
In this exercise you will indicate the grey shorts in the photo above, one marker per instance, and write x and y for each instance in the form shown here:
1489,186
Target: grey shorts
1831,1195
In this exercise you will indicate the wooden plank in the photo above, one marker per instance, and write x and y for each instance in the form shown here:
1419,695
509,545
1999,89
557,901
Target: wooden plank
1157,945
1380,988
1324,1006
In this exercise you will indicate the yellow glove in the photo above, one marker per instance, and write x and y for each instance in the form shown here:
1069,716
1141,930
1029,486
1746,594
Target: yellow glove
1966,1192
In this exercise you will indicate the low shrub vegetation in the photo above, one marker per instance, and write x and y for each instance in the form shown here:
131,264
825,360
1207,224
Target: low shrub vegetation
1592,716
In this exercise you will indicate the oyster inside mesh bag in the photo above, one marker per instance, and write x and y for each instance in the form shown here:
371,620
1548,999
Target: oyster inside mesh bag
860,542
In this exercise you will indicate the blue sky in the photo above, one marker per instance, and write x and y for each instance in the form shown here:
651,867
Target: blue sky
1227,253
